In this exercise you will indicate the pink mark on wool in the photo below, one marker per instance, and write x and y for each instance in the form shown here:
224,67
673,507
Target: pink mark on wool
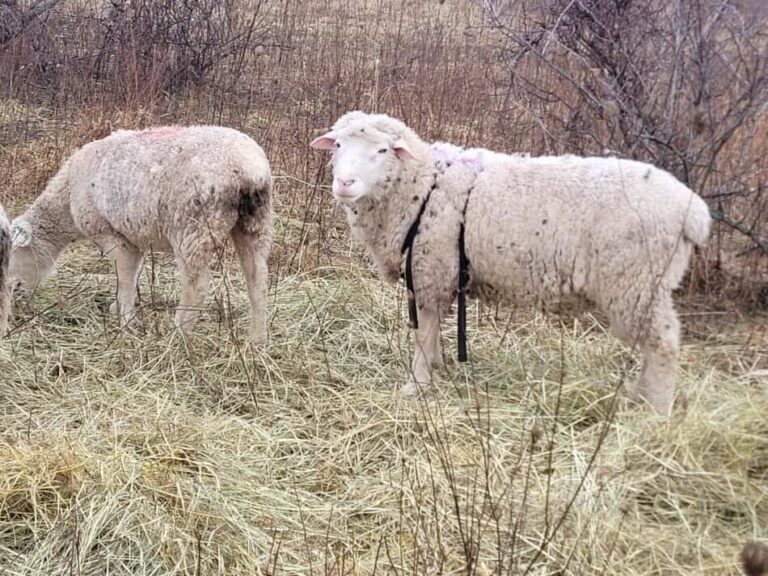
444,154
158,133
473,158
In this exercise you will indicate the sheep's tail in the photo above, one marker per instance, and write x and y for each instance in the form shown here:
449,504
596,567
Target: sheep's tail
254,209
5,289
698,222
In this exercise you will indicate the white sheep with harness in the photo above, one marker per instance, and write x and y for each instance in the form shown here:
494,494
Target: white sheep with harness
616,233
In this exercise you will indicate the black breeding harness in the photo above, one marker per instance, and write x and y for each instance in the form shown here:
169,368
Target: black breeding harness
413,316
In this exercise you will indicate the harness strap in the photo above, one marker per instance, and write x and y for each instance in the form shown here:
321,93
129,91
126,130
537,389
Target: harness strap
461,336
410,237
413,316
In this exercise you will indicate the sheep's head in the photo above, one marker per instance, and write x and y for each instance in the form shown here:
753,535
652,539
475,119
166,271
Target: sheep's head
368,151
29,264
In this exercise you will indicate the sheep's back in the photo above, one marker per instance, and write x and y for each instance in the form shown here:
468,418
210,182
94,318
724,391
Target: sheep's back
150,185
550,227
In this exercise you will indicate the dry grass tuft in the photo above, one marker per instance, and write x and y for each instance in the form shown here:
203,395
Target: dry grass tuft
145,453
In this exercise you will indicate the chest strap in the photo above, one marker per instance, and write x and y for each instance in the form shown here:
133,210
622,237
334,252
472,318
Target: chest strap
413,316
461,328
407,249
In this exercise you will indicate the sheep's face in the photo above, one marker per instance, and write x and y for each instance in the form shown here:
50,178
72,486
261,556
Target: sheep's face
364,160
29,265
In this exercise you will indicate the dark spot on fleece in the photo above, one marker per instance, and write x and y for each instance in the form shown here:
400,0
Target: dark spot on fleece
414,179
538,233
387,179
93,184
544,221
432,213
415,198
251,201
647,174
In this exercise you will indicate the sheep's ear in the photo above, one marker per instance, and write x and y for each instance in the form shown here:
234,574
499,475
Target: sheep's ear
401,150
21,233
324,142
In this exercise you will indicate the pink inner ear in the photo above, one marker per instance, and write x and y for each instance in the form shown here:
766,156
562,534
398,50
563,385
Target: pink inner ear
403,153
401,150
325,142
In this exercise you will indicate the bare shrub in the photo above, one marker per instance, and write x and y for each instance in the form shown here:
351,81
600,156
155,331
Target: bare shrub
133,48
175,43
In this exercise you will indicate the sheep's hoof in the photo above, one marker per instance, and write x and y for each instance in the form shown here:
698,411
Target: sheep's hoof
414,389
185,321
258,339
661,403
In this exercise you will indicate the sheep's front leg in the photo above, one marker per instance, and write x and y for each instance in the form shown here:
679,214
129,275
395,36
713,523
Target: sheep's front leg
195,280
252,251
128,266
426,353
5,306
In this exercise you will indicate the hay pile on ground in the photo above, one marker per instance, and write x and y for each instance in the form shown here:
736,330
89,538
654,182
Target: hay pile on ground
143,453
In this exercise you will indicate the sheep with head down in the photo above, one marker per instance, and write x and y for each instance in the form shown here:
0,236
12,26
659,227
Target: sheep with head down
5,287
184,190
615,233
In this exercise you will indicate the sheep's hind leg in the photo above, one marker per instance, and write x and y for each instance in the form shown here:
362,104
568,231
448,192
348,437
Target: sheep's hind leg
195,281
426,353
659,344
660,349
252,252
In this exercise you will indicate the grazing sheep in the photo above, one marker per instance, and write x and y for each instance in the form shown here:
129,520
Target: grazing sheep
175,189
616,233
5,287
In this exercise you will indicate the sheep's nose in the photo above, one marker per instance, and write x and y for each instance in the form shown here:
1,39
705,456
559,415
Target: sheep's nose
346,183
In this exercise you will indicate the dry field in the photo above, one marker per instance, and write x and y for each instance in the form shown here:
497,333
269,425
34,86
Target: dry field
141,452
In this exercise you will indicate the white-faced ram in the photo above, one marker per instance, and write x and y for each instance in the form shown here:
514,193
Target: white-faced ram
616,233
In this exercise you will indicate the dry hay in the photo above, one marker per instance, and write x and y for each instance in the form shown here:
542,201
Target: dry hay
144,453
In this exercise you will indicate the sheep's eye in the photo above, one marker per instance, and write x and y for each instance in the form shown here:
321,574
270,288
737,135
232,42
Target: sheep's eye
338,145
383,150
